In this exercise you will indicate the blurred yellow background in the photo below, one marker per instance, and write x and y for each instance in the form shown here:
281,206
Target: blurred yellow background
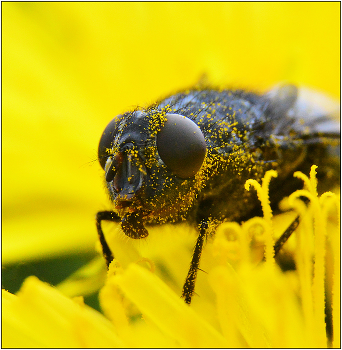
68,68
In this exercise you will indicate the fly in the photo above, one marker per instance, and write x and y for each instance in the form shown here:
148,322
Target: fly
187,158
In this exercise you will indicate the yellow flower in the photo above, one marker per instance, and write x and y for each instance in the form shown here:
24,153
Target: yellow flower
241,302
68,68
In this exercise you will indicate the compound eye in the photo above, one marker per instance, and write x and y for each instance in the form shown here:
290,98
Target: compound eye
181,145
107,139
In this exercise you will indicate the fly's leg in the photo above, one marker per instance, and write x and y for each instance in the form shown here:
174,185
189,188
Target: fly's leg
108,216
286,235
288,232
189,285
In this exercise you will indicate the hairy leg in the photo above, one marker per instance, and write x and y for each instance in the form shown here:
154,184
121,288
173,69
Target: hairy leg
108,216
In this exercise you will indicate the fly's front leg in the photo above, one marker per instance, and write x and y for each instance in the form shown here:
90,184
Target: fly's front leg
108,216
189,285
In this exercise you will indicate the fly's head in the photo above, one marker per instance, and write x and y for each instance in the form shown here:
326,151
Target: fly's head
152,160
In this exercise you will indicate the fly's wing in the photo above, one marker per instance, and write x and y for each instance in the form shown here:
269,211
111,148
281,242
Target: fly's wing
320,113
307,113
307,122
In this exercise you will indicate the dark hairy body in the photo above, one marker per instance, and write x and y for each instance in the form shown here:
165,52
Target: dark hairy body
187,158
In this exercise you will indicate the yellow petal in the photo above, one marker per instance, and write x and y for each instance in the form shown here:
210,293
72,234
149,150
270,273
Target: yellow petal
41,317
167,310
